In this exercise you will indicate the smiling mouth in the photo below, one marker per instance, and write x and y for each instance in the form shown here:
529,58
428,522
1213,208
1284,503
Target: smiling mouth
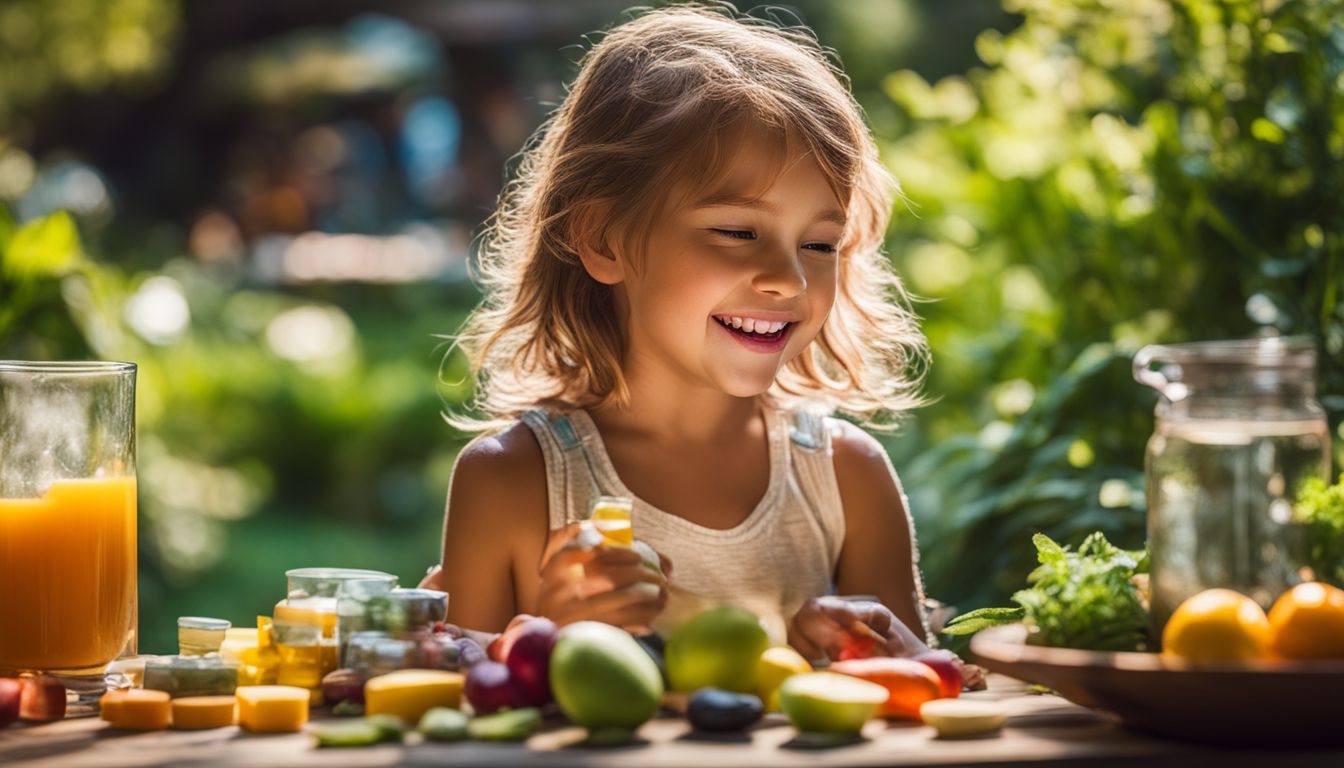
759,331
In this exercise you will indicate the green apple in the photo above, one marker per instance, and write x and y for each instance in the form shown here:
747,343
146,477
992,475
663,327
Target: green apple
602,678
717,648
826,702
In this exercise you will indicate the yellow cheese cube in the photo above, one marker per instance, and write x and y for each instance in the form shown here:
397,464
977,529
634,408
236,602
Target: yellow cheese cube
136,709
272,708
409,693
197,712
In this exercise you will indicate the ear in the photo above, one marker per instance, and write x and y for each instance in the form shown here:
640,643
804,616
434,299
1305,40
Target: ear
593,244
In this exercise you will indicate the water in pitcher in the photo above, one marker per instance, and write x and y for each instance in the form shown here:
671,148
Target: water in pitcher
1220,503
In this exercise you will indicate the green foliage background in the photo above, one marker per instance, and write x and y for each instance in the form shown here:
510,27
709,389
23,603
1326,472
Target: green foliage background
1108,175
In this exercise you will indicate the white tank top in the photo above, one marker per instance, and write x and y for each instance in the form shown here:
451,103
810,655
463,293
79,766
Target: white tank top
784,553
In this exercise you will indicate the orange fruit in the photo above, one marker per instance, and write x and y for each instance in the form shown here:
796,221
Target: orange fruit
1217,625
909,683
1308,622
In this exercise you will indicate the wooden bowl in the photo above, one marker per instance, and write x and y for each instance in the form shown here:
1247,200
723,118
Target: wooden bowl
1260,703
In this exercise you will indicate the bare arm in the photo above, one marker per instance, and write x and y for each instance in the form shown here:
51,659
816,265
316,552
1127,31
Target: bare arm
878,557
495,530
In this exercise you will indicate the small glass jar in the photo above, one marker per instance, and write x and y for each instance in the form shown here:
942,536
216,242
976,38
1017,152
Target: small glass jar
373,653
198,635
306,621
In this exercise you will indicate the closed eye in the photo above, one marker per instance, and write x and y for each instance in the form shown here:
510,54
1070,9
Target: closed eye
736,234
745,234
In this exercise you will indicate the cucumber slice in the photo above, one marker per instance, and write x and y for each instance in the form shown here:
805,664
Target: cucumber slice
444,724
506,725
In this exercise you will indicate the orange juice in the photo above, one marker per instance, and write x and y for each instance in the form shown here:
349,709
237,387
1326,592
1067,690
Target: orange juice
68,575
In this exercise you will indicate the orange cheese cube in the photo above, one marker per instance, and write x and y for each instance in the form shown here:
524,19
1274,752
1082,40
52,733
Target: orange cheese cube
409,693
272,708
136,709
197,712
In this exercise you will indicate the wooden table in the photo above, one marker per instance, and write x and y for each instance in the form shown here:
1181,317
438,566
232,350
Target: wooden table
1041,730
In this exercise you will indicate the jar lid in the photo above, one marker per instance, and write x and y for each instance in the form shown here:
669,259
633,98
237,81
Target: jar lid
325,582
203,622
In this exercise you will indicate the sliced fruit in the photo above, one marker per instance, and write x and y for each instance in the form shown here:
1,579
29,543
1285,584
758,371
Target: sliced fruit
507,725
957,718
201,712
346,733
908,682
409,693
828,702
1308,622
272,708
443,724
1217,625
777,664
136,709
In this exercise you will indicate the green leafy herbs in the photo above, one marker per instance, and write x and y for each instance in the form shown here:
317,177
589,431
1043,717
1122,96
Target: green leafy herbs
1321,508
1090,598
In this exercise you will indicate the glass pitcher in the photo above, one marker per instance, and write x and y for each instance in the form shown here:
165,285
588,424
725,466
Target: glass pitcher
1238,429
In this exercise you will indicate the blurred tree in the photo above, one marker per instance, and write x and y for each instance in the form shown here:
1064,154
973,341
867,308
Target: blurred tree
1116,174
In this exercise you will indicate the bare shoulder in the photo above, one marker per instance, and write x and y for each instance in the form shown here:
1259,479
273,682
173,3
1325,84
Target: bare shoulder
857,453
862,469
504,468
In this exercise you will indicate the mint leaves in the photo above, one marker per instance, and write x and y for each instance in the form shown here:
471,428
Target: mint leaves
1088,599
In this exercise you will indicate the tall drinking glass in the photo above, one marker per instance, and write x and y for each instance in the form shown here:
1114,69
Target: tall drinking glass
67,522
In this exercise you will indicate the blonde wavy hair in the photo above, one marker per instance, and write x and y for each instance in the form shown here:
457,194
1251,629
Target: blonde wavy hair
661,99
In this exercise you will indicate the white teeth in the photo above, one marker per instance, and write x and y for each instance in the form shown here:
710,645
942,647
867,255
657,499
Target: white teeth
752,325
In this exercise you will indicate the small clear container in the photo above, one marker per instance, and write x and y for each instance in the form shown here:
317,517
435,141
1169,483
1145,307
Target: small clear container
375,653
191,676
611,517
306,621
327,582
199,635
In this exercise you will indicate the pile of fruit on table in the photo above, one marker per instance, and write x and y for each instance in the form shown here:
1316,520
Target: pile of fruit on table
384,662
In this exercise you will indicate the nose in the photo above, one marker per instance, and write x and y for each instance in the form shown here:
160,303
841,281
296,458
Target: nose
780,273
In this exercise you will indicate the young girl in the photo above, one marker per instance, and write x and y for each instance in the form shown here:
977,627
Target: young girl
684,278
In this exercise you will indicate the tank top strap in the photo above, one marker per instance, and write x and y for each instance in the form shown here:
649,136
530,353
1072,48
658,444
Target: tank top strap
812,457
570,479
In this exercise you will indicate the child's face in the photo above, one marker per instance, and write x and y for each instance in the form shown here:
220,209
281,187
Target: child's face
733,290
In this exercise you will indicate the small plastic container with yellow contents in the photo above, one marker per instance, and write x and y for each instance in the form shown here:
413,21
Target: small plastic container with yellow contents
611,517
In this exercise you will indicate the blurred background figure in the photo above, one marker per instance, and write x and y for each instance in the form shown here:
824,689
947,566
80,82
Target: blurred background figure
270,207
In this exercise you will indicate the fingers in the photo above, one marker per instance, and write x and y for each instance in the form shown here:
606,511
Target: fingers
557,541
633,606
433,578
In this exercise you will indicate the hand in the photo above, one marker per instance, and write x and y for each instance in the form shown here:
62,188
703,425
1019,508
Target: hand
433,578
601,583
836,628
